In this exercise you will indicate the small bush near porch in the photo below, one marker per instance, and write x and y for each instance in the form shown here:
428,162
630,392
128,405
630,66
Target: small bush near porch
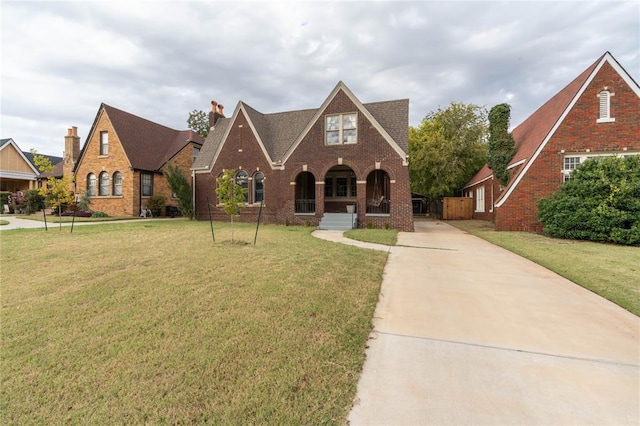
152,322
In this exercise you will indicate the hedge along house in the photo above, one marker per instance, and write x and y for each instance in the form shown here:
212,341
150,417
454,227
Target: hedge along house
122,161
312,165
597,114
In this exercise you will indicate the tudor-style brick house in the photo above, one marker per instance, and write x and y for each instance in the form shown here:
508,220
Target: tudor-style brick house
307,164
597,114
122,161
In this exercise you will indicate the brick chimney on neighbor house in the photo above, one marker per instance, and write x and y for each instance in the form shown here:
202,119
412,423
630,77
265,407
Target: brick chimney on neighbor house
215,114
71,151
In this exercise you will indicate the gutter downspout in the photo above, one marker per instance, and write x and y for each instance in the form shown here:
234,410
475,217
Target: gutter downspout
193,195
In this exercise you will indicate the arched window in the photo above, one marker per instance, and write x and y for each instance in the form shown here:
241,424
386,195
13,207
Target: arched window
117,183
104,184
305,193
242,179
258,187
91,184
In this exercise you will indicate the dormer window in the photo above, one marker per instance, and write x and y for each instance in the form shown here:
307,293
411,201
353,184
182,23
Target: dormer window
341,129
604,115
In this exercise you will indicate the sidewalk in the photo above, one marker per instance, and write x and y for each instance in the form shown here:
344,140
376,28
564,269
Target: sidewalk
468,333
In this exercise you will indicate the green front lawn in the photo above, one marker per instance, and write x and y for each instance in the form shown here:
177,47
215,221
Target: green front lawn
612,271
152,322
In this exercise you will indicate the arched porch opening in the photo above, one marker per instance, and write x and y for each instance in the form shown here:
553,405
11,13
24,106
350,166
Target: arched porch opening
340,189
305,193
378,193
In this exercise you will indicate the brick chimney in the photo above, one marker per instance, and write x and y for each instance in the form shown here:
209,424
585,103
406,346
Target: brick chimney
71,151
215,114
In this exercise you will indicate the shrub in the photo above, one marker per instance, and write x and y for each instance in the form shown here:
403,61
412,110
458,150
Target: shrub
32,201
156,203
601,202
99,214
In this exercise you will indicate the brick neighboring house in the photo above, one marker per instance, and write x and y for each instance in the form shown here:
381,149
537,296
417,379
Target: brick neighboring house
597,114
122,161
308,164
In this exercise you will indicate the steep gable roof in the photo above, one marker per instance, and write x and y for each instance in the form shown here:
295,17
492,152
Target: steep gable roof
279,134
533,133
148,145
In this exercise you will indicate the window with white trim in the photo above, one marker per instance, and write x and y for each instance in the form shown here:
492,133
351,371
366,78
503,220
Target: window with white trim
104,184
147,184
341,129
91,184
480,199
104,143
604,115
242,179
117,183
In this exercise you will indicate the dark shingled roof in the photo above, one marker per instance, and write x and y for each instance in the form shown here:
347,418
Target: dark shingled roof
148,145
279,131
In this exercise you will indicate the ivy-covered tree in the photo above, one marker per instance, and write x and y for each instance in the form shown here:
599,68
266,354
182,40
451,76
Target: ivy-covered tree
198,121
230,195
447,149
180,186
501,143
601,202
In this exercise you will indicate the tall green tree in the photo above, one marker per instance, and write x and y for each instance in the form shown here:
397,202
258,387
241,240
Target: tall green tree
230,195
502,147
180,186
447,149
198,121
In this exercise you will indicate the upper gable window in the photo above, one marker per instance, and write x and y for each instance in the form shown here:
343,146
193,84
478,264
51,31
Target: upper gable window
341,129
104,143
604,115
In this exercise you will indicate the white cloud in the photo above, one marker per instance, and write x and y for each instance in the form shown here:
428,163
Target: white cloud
161,60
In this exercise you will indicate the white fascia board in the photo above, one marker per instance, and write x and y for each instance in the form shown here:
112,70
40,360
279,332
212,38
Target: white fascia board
15,146
6,174
478,181
516,164
606,58
258,138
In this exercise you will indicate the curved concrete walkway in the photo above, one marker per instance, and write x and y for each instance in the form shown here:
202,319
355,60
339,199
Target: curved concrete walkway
468,333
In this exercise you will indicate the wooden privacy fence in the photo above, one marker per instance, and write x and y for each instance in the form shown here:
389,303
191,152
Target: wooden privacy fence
457,208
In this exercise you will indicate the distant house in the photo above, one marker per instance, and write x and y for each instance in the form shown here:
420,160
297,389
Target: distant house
597,114
17,168
122,161
313,166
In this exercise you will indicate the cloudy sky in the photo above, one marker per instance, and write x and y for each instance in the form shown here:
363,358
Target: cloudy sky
161,60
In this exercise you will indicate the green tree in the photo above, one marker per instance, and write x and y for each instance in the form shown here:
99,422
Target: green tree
447,149
56,191
198,121
230,195
601,202
42,163
501,143
180,186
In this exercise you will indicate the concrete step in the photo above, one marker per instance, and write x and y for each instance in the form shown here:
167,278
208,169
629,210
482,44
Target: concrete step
338,221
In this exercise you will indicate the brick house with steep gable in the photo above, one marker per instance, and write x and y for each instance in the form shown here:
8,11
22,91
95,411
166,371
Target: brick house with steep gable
308,166
122,161
597,114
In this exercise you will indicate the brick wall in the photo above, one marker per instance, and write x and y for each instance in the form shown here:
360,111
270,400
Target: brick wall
128,204
578,132
312,155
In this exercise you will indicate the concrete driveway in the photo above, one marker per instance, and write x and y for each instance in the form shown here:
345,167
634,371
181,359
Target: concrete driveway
468,333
